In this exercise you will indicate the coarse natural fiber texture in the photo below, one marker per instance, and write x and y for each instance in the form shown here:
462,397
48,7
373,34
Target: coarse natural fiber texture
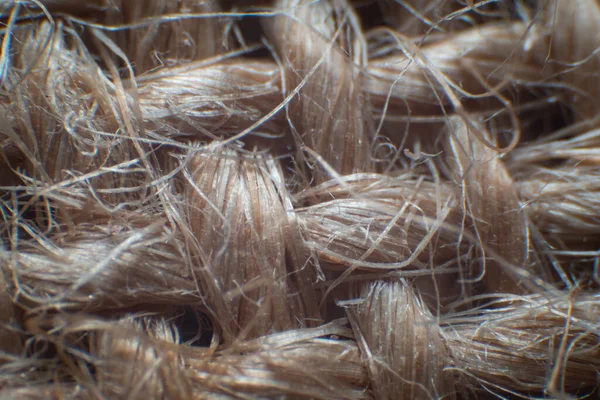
299,199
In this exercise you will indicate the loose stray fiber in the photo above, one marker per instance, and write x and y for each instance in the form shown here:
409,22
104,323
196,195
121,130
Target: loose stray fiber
299,199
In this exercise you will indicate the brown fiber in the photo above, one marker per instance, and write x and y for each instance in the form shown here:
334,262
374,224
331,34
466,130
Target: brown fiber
299,199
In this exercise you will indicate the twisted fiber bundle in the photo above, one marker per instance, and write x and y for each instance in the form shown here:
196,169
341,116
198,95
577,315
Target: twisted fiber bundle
299,199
